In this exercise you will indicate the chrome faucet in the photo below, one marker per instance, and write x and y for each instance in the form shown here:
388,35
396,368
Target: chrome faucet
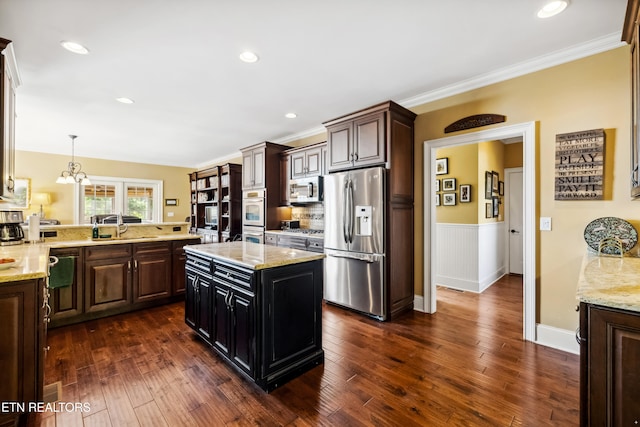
121,227
119,224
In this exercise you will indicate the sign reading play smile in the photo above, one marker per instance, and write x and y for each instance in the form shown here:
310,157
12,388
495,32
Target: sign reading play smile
580,165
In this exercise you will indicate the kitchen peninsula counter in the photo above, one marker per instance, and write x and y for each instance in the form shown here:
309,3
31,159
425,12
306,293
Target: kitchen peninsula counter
609,337
31,262
610,281
258,306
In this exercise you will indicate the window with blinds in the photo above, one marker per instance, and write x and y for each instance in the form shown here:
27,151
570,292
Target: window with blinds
140,198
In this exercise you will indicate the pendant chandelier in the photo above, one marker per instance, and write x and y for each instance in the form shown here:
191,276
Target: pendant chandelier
73,174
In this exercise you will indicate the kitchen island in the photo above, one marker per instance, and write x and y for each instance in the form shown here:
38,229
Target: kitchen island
609,337
257,306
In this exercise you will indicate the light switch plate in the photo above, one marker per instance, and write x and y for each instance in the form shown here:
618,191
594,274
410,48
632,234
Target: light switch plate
545,223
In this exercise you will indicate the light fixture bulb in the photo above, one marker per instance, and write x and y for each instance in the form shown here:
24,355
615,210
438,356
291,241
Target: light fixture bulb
74,47
248,56
125,100
291,115
553,8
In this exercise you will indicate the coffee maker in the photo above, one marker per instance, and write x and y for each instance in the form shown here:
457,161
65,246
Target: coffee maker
11,232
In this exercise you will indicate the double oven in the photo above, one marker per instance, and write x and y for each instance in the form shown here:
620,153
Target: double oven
253,215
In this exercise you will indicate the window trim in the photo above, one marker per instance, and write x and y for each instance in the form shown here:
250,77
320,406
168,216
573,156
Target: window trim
158,211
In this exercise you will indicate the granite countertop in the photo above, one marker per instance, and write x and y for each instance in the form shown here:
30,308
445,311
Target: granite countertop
610,281
116,241
254,255
32,262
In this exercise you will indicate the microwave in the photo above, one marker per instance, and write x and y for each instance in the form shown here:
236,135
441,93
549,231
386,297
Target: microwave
305,190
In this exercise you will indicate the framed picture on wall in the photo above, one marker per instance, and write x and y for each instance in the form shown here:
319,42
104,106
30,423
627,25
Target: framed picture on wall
442,166
501,188
437,185
488,210
449,199
449,184
465,193
488,185
437,200
496,206
495,178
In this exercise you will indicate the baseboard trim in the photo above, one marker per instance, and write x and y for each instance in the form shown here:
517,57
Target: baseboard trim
418,303
557,338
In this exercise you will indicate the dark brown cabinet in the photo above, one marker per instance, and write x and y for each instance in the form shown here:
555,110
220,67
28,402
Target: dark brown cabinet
631,35
305,161
383,135
8,85
67,302
116,278
152,264
265,323
356,143
609,366
107,275
230,201
253,167
22,342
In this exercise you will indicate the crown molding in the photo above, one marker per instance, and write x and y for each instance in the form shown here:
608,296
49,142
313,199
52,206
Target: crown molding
602,44
599,45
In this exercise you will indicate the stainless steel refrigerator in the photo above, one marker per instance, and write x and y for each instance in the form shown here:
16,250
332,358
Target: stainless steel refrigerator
354,268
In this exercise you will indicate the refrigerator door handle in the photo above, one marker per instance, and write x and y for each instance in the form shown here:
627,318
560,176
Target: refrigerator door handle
351,211
364,258
344,212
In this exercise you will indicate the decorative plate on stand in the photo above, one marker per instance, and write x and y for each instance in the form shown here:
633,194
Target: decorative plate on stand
606,228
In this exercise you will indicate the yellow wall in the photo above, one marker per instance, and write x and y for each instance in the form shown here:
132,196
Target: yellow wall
589,93
43,169
463,166
513,155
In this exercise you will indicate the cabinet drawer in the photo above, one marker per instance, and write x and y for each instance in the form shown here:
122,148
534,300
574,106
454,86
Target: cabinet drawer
234,275
198,264
108,251
152,248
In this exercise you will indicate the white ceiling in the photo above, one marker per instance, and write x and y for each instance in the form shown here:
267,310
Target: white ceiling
195,102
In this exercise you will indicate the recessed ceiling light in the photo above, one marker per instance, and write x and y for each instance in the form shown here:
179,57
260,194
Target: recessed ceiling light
553,8
74,47
125,100
248,56
291,115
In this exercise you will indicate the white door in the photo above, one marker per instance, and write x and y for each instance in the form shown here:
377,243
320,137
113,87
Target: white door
515,220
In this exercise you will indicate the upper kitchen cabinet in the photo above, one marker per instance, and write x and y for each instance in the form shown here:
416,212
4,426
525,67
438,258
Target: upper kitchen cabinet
631,35
307,161
378,135
373,136
8,85
261,165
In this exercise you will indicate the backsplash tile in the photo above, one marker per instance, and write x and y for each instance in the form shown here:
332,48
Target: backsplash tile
310,216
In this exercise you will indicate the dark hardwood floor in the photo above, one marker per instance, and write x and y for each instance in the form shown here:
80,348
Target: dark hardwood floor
464,366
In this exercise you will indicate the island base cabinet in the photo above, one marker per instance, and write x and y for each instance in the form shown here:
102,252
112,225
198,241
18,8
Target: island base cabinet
198,290
266,323
610,366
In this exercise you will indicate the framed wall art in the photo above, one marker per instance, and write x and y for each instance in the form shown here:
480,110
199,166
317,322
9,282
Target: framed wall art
442,166
465,193
449,184
437,200
495,178
449,199
488,210
437,185
496,206
501,188
488,185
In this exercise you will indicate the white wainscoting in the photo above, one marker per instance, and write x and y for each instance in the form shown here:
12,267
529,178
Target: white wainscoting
469,257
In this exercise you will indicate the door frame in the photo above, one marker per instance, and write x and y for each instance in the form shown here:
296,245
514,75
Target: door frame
526,131
507,219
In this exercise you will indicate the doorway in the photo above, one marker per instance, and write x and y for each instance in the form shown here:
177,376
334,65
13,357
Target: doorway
527,132
513,199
